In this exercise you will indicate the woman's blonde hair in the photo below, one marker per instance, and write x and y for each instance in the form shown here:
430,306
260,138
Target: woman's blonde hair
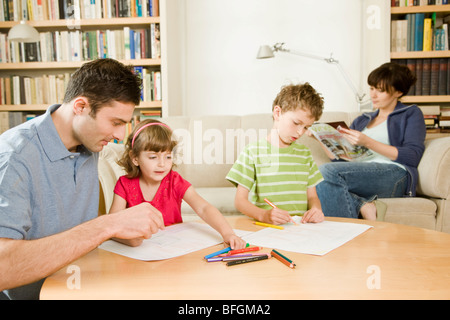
148,135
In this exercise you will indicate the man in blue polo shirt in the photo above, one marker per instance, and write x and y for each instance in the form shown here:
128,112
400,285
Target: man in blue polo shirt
49,188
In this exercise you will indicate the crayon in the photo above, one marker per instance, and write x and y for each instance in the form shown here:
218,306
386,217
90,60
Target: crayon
243,250
217,253
283,259
220,252
247,260
262,224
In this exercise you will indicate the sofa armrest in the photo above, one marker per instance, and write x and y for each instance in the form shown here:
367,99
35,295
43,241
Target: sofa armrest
434,169
108,173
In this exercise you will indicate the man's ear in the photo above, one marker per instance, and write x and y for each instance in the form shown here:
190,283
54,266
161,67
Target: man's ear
80,104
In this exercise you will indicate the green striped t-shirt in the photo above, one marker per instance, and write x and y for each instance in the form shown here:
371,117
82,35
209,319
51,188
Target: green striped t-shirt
282,175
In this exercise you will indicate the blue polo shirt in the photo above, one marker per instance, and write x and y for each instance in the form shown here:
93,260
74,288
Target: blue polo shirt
44,188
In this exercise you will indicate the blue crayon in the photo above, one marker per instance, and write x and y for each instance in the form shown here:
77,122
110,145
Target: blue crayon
217,253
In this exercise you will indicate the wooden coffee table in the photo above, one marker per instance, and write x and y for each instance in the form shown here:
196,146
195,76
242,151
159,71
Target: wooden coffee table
389,261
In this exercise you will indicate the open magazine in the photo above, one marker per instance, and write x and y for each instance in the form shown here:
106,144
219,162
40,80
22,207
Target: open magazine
334,141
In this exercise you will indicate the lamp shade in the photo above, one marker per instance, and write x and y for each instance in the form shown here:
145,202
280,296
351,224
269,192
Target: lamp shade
23,32
264,52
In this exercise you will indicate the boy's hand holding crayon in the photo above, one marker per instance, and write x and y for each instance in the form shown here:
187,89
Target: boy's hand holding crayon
277,216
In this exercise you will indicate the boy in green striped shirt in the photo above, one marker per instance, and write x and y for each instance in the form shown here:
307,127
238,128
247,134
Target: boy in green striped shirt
278,168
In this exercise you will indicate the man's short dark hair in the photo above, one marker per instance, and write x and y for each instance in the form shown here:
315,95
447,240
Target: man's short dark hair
103,81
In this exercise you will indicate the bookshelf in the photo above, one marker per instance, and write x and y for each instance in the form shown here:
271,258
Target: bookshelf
82,24
430,60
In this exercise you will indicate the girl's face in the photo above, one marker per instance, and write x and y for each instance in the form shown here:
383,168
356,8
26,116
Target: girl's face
154,166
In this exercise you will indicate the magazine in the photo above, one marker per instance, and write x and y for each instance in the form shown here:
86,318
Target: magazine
328,134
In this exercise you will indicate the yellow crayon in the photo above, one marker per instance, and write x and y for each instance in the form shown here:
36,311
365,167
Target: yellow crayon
268,225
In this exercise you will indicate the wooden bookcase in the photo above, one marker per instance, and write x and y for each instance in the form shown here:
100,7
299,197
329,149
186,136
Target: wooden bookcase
400,13
38,68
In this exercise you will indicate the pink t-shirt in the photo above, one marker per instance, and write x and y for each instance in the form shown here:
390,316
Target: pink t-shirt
167,199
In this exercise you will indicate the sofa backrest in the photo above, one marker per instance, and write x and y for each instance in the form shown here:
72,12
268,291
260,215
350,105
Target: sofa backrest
209,145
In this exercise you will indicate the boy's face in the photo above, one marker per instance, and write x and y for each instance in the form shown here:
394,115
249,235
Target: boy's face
291,125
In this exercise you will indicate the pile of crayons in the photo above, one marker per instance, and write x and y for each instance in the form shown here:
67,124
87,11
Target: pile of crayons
240,256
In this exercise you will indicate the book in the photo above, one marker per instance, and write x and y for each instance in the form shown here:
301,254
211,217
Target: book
444,122
443,70
337,144
430,110
434,78
418,36
433,75
427,35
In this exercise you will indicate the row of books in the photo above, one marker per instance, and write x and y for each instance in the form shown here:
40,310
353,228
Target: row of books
151,84
410,3
437,118
420,32
49,89
10,119
45,89
143,115
433,76
78,45
38,10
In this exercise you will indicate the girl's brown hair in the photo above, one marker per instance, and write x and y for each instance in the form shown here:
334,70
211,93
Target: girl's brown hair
156,138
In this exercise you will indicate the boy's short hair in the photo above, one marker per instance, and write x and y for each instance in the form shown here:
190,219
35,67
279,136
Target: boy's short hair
392,77
102,81
303,96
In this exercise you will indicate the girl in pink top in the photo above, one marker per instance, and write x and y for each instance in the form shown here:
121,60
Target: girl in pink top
148,162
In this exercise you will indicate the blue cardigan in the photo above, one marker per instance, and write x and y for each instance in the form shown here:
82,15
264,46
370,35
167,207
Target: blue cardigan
406,131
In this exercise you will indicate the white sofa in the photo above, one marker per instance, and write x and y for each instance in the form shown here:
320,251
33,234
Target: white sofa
209,145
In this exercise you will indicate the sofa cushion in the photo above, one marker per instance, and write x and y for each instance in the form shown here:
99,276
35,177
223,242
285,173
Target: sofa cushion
222,198
434,169
418,212
206,148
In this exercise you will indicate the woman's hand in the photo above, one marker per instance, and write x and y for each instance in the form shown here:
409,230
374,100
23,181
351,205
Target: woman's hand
355,137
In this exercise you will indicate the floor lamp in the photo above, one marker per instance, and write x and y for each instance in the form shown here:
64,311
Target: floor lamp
266,51
23,33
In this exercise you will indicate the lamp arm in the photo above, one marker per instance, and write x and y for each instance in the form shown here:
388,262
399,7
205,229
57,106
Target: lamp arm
331,60
349,82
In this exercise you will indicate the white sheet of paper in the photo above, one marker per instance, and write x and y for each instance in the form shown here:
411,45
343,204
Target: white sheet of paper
309,238
173,241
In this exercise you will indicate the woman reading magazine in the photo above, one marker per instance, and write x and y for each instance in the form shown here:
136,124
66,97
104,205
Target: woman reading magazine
395,135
